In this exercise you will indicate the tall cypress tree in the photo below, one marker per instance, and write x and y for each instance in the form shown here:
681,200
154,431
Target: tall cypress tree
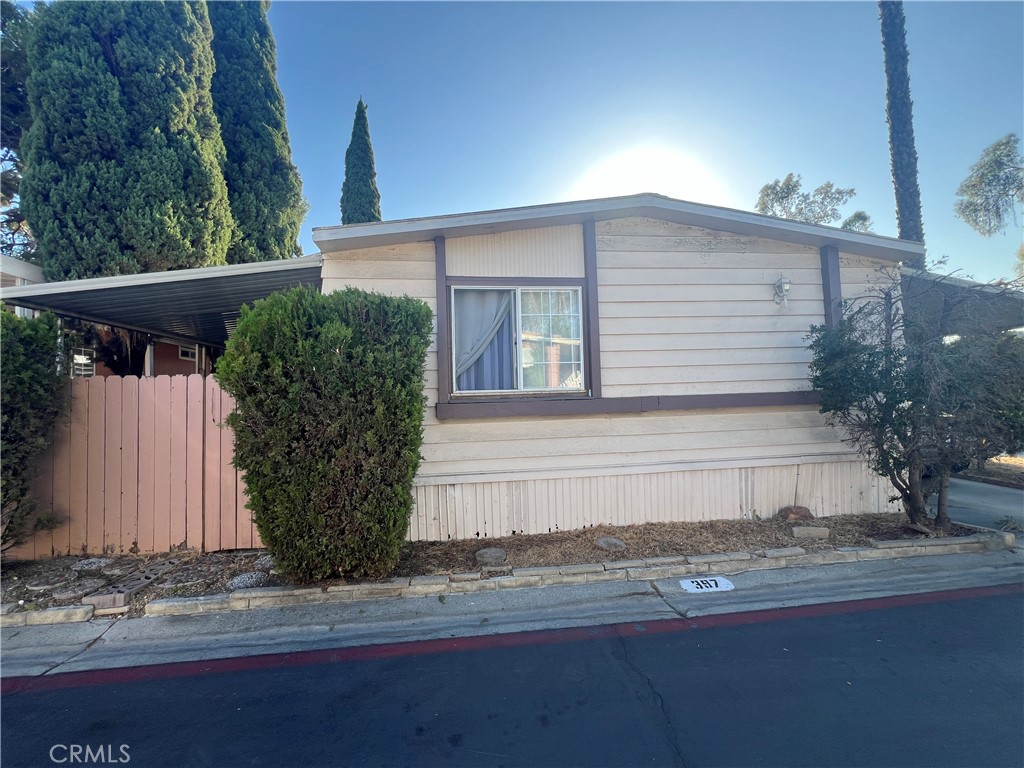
263,186
123,158
899,112
360,199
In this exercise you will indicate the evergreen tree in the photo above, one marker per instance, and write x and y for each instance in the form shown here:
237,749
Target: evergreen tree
123,158
15,117
899,111
263,186
360,199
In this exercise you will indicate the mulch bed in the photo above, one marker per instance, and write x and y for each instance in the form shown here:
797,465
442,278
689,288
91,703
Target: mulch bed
190,574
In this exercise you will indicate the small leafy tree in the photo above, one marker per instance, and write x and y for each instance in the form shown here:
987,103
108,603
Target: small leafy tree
995,185
785,199
328,424
913,400
360,198
33,397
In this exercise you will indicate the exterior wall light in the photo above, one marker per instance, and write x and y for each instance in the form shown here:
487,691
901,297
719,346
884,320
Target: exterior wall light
782,287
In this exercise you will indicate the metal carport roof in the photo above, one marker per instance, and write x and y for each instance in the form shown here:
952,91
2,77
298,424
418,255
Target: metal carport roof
188,305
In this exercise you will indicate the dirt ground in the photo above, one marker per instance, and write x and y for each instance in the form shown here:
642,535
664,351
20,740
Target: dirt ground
61,581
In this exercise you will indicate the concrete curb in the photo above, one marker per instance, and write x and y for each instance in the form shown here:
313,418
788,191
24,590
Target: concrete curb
647,569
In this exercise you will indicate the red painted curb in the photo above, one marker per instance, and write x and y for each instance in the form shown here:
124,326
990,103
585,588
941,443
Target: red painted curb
12,685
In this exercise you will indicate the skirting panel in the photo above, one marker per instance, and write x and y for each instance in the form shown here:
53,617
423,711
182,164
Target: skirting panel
504,508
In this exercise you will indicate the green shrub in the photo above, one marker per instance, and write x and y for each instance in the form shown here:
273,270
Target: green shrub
34,394
328,424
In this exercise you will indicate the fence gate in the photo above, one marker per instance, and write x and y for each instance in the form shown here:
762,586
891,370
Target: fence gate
140,466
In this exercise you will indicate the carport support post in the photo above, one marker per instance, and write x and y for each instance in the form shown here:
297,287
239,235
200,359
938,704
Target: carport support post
150,360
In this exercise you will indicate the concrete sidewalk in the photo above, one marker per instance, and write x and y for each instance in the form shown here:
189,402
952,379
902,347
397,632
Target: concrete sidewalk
101,644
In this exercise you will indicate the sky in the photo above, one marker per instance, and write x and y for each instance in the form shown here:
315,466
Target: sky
478,106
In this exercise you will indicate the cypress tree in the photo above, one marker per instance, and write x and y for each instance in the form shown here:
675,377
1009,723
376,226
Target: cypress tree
263,186
360,199
899,112
123,158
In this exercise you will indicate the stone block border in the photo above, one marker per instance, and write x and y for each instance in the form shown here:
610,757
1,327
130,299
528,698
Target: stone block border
586,573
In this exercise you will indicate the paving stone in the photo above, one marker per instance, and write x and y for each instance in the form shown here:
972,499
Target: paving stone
838,557
785,552
92,564
581,568
621,564
619,575
809,532
565,578
517,582
491,556
249,580
420,581
78,589
254,592
116,611
6,608
876,554
472,586
611,544
61,615
898,544
669,560
14,619
715,558
459,577
541,570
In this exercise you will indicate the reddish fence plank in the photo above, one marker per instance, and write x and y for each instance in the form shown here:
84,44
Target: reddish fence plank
61,468
112,466
79,469
228,511
147,464
129,538
162,478
194,453
179,416
211,467
96,458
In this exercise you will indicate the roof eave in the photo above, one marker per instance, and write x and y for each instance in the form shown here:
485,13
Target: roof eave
352,236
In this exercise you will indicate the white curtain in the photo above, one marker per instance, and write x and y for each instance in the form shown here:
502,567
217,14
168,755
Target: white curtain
482,339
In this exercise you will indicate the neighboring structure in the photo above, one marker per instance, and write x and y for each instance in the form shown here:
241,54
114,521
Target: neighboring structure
620,361
15,273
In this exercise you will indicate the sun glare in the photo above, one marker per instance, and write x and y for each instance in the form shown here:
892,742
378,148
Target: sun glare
652,168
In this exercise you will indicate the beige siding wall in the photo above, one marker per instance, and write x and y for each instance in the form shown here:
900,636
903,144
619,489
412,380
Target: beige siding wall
686,310
683,310
546,252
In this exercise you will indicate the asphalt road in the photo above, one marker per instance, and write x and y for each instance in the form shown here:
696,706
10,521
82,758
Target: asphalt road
984,504
930,680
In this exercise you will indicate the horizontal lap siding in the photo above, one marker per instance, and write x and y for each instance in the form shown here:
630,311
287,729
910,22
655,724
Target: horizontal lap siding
862,276
686,310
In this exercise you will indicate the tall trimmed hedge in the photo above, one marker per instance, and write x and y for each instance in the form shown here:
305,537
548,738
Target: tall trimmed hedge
328,424
34,394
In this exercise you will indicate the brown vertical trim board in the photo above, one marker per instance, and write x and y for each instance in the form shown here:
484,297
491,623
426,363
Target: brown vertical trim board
444,357
831,285
593,310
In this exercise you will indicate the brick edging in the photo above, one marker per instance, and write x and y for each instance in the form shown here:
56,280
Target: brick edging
645,569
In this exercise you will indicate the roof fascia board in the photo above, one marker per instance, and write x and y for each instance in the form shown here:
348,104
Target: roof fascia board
341,238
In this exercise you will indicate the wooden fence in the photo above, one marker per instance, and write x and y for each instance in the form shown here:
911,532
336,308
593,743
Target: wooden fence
139,466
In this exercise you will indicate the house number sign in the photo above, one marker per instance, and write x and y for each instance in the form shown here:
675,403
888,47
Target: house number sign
716,584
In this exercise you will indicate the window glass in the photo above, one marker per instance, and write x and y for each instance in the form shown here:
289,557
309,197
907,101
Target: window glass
527,338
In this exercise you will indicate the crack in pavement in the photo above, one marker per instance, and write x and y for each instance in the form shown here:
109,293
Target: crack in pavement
667,725
88,645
